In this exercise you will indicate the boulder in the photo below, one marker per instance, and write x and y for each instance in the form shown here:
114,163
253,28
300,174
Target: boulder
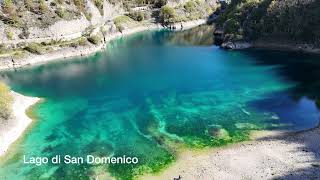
218,132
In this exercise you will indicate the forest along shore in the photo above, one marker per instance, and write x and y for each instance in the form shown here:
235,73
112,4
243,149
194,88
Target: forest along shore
19,121
68,52
271,155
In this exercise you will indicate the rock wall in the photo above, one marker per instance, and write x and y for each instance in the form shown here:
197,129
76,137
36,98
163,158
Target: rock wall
174,3
62,29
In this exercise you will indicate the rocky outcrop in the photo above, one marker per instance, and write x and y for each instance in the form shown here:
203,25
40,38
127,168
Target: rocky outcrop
216,131
60,30
274,44
235,45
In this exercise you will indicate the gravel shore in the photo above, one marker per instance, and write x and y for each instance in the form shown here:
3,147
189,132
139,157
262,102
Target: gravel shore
271,155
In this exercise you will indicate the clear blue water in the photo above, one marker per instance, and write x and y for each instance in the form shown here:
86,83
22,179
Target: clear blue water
153,93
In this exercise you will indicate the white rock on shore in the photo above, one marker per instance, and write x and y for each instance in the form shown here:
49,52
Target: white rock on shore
14,128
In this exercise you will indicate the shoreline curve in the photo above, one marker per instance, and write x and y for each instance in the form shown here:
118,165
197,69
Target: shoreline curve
19,122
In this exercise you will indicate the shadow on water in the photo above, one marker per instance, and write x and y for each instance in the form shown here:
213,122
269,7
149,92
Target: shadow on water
300,103
303,103
303,69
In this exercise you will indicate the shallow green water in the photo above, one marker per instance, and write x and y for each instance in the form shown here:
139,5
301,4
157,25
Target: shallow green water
151,93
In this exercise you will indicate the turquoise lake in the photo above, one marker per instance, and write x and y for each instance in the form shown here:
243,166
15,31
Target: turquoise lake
153,93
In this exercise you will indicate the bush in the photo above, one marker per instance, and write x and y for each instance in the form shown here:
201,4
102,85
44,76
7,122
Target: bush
6,101
61,12
43,6
59,1
29,5
10,34
79,42
120,21
231,26
14,20
8,6
82,41
95,39
167,14
137,15
35,48
190,6
80,4
88,16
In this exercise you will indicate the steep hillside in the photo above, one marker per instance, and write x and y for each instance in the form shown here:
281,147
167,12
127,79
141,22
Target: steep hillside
29,19
287,20
42,26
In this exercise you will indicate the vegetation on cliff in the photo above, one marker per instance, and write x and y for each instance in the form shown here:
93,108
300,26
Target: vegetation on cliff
38,27
292,20
190,10
44,13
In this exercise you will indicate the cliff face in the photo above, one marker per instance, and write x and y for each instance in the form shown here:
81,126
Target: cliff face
34,30
286,20
54,21
63,20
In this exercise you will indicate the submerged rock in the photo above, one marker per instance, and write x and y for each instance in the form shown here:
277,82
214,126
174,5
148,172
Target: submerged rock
218,132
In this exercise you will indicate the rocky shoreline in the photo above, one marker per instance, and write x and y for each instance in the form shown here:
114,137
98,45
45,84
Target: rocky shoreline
270,155
271,45
287,46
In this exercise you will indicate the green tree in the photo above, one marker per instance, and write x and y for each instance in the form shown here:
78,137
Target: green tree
43,6
190,6
137,15
231,26
167,14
